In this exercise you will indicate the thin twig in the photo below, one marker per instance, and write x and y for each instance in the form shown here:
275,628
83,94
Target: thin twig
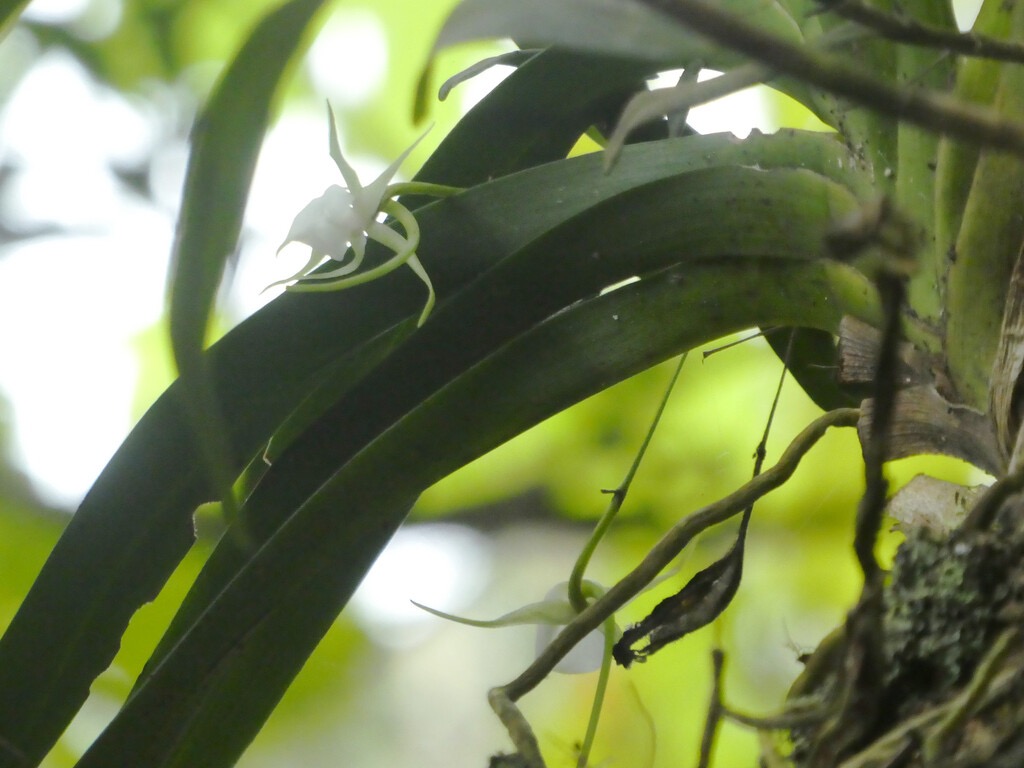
762,447
576,596
618,497
763,332
905,29
708,592
933,111
715,710
670,545
792,717
599,692
891,288
518,727
861,674
503,705
981,516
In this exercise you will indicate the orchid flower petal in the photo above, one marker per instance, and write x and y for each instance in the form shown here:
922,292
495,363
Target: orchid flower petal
345,269
585,657
412,229
368,199
314,260
550,615
403,248
325,281
552,612
348,173
328,224
333,280
378,188
402,245
343,219
421,273
587,654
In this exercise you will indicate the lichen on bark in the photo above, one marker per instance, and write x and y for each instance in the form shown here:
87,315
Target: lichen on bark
942,610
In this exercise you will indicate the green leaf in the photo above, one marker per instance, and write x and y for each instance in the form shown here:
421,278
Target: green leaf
135,524
10,10
215,682
226,140
918,150
38,704
813,361
786,214
466,236
986,248
620,28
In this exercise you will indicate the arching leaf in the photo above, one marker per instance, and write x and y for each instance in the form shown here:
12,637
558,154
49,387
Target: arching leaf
203,701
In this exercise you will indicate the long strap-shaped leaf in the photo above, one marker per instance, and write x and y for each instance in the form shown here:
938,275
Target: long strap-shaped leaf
628,29
621,28
977,81
35,706
226,140
205,699
917,159
135,524
10,10
485,316
696,212
981,259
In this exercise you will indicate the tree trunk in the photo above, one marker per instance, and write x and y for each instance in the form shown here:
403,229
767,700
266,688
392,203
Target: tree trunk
946,683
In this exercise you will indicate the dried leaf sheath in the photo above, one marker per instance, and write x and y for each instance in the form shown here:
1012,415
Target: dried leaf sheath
696,605
708,593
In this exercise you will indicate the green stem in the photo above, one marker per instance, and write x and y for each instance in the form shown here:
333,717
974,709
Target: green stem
577,598
934,111
421,188
671,545
901,28
602,686
715,710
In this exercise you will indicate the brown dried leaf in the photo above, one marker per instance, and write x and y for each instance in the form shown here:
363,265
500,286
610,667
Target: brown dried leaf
925,422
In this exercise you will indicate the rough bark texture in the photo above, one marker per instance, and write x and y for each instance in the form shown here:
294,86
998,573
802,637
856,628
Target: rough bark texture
952,664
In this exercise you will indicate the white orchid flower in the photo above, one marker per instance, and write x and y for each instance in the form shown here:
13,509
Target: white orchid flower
588,653
344,218
550,615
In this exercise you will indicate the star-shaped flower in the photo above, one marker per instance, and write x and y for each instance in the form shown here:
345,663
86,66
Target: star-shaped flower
342,219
